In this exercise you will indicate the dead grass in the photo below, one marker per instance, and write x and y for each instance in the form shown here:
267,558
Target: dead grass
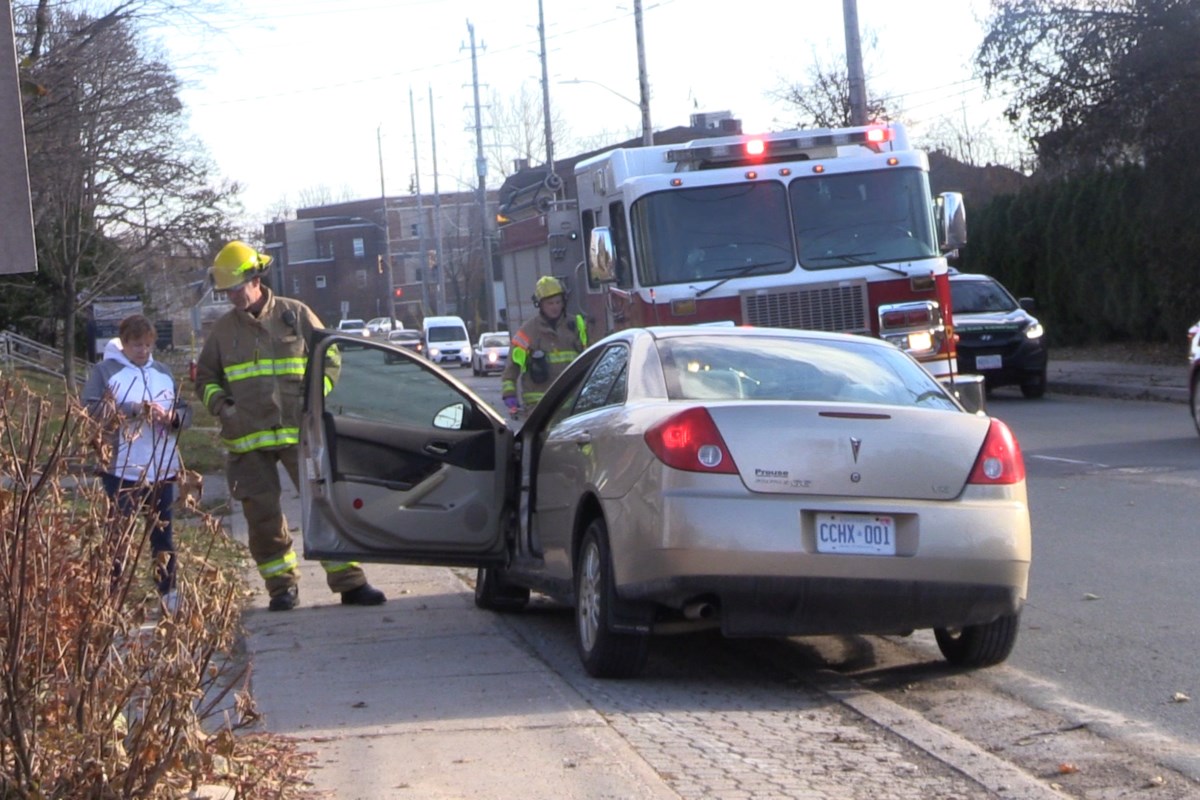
1170,353
103,695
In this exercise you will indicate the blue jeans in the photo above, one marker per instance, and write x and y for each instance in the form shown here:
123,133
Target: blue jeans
131,497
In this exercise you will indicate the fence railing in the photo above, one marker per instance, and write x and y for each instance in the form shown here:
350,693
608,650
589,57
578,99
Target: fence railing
21,351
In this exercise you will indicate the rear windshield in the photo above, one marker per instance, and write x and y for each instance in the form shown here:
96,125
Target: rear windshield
447,333
495,341
773,369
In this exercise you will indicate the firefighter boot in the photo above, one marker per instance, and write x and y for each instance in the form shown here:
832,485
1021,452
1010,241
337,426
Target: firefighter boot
365,595
285,600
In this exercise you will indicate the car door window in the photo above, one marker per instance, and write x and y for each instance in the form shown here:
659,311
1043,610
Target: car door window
404,393
605,385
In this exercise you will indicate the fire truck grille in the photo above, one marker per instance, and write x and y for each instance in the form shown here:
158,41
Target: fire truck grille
837,307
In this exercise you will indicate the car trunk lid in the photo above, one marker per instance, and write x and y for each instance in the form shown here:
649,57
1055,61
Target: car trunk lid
854,450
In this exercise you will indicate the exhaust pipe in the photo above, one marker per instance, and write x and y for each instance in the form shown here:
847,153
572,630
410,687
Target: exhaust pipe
699,610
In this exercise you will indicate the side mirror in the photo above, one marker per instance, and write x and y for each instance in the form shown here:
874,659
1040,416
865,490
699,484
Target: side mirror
951,221
602,260
450,418
1028,303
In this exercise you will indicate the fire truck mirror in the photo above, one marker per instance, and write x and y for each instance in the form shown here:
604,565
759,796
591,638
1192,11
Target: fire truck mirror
602,260
952,221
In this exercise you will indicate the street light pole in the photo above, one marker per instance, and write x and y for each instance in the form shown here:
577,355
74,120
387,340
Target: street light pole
647,133
481,172
387,228
437,214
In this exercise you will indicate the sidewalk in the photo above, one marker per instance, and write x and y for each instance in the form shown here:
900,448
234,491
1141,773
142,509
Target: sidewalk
1129,381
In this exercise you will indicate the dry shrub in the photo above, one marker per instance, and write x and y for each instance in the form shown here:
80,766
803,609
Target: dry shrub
102,693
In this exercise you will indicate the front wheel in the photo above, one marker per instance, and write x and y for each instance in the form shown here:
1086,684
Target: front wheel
979,645
605,654
1196,400
494,593
1034,387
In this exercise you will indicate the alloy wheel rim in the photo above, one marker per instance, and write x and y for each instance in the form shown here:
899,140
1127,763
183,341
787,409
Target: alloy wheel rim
589,598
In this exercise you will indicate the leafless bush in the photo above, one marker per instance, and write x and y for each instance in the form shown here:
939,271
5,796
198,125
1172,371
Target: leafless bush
103,694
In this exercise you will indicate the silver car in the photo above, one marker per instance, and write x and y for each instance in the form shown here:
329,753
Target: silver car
769,482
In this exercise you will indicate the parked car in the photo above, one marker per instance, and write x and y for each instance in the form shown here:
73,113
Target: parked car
1194,372
490,354
998,336
770,482
355,327
409,340
380,326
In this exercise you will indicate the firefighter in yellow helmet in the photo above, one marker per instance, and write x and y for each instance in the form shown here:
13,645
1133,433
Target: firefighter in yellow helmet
543,347
250,375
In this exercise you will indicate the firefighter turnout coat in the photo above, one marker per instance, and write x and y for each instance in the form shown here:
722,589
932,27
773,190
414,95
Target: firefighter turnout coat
540,351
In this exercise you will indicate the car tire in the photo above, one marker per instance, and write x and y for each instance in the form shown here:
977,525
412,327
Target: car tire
1196,400
494,593
1034,387
979,645
604,652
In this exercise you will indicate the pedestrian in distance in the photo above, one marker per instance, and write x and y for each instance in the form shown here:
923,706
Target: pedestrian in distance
250,376
542,348
134,398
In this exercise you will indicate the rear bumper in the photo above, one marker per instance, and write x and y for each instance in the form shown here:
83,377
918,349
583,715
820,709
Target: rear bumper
794,606
755,559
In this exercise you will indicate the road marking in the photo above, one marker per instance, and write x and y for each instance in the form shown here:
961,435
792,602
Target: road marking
1072,461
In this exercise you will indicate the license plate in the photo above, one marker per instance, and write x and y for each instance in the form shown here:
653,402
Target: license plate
866,534
987,362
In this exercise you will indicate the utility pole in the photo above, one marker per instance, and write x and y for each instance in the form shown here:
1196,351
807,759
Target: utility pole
643,78
489,290
422,261
387,227
437,213
546,95
854,65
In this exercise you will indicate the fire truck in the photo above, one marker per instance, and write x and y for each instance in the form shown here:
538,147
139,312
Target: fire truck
832,230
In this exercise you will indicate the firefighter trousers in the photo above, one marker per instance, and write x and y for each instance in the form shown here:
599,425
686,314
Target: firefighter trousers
254,480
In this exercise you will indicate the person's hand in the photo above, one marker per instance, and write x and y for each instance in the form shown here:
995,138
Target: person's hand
513,406
228,409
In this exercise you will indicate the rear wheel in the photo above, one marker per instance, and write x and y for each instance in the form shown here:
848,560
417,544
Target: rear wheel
1034,387
979,645
605,654
494,593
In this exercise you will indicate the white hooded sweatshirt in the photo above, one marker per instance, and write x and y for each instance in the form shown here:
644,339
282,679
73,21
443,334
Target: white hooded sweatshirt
117,393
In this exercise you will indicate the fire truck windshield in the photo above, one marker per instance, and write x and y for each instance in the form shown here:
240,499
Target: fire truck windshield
715,233
862,217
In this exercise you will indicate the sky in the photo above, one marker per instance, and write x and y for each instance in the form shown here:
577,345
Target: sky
295,99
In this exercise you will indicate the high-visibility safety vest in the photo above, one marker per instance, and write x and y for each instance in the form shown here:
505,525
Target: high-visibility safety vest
559,345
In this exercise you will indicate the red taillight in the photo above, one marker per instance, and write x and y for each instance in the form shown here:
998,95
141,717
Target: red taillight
690,441
999,460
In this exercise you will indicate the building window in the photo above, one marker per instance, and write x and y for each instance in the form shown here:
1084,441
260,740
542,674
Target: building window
361,276
220,297
360,249
320,281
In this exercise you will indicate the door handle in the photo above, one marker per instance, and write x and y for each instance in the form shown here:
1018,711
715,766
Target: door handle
437,448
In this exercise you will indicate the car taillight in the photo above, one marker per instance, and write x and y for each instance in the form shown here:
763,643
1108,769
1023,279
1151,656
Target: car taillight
691,442
999,460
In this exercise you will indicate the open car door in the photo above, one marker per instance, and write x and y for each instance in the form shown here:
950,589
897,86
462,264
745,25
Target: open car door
399,461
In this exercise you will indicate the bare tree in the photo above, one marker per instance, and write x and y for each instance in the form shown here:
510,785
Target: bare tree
116,181
822,100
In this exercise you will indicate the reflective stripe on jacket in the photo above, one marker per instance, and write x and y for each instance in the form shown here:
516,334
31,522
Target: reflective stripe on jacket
250,374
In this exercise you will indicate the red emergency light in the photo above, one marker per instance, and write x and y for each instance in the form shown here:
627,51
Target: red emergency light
755,147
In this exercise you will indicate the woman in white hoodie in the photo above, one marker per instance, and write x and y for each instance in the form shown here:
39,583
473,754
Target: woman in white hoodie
134,397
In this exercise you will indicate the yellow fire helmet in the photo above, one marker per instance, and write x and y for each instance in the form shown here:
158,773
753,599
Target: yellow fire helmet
547,286
237,263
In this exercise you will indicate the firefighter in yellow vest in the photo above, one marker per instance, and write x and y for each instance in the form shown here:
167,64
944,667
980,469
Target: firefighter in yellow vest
542,348
250,376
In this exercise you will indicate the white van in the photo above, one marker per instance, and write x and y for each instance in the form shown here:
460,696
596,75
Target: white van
446,340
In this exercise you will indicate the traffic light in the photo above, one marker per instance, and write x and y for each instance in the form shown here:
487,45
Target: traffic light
398,292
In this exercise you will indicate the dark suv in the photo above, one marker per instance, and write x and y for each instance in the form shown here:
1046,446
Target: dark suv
998,337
